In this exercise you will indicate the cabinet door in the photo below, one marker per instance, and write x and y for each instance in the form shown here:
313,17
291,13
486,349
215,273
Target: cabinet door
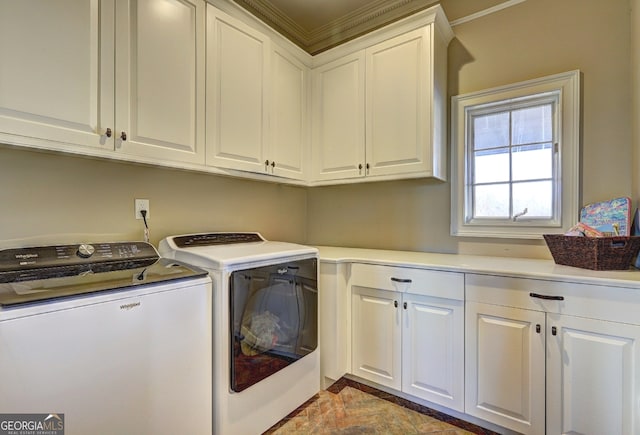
160,79
56,73
593,376
505,366
237,76
338,131
288,125
433,350
398,113
376,336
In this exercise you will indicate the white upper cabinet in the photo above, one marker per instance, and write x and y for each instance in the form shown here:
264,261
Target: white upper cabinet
104,75
256,101
56,73
288,121
398,110
160,79
338,115
237,75
380,112
182,83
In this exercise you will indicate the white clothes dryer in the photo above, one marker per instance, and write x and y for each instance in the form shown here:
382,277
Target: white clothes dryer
266,360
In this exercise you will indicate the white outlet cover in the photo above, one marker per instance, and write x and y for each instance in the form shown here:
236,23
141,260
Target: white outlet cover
141,204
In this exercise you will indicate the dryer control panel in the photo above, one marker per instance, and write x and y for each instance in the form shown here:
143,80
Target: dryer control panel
211,239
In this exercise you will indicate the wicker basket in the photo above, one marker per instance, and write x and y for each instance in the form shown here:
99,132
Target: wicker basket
596,253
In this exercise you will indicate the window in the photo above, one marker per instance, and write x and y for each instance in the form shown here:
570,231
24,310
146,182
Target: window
515,159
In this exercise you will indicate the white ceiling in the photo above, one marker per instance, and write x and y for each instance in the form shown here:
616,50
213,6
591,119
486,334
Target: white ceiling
316,25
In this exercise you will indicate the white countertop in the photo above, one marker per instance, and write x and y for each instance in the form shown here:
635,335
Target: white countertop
503,266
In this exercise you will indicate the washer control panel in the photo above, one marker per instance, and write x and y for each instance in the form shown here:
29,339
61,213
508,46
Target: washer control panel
39,257
85,251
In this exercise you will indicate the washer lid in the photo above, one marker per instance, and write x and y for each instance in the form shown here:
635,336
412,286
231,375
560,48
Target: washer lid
222,250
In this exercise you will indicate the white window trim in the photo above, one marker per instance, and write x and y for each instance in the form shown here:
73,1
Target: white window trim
568,86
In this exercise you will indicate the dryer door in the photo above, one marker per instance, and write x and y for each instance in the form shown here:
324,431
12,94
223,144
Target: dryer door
274,319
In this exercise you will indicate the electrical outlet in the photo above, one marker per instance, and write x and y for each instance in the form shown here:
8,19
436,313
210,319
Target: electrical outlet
141,204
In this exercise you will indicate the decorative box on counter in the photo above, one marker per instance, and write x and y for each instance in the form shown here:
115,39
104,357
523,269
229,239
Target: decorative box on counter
595,253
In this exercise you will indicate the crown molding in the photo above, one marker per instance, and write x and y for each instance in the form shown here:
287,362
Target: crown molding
485,12
363,20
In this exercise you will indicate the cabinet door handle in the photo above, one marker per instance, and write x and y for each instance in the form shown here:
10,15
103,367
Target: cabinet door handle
123,135
546,297
108,132
360,168
273,164
367,168
395,304
538,328
405,280
554,330
404,305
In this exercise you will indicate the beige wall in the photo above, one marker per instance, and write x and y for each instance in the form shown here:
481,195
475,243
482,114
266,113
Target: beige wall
56,198
525,41
48,195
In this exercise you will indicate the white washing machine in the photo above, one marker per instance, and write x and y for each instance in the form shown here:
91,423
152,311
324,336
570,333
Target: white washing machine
106,338
266,360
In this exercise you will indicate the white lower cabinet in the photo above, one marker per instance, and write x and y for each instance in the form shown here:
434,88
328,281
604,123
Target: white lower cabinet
593,376
407,331
377,336
433,349
548,357
533,356
505,367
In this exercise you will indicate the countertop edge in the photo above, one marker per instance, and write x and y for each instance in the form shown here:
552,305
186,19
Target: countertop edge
485,265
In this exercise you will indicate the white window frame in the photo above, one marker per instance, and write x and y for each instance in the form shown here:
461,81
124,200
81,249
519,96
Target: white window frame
566,88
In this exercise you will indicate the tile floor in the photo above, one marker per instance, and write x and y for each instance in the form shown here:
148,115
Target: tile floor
348,407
